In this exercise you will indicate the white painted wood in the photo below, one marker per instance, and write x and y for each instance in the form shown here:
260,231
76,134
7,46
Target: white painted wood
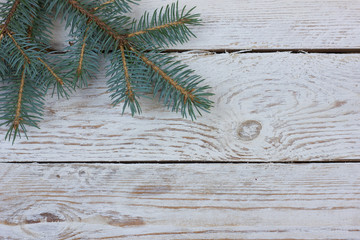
216,201
268,107
265,24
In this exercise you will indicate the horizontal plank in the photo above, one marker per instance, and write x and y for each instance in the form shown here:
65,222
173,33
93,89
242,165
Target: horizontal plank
268,107
219,201
264,24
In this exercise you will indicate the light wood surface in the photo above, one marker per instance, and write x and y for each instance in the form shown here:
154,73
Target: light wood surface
216,201
264,24
268,107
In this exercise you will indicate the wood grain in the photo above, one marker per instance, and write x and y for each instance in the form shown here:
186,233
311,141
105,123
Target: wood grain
264,24
268,107
216,201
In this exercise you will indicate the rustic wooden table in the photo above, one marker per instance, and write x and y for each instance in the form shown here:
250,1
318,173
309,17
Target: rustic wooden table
278,157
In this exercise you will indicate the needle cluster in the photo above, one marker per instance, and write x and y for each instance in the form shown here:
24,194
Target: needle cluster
137,66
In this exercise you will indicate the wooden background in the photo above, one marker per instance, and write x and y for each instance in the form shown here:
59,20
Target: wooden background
277,158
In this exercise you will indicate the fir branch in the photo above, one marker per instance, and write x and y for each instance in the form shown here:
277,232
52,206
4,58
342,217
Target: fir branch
17,117
51,71
168,25
137,68
129,92
18,47
172,82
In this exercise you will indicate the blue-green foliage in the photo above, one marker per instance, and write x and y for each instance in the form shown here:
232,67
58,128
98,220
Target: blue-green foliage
96,28
169,36
184,77
24,50
32,104
139,77
90,62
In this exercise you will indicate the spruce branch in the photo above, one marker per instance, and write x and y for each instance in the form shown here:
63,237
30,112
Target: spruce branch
25,75
172,82
137,65
167,25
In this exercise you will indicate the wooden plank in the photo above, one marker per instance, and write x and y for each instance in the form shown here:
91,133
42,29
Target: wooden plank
265,24
216,201
268,107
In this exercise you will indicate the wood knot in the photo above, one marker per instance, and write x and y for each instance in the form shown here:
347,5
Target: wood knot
44,217
249,130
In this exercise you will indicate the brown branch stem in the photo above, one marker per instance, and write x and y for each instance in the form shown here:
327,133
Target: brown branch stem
17,117
78,71
129,90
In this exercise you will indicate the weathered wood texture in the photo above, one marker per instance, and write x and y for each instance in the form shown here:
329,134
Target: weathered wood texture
268,107
220,201
265,24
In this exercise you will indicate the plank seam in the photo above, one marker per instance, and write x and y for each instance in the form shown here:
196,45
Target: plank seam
265,50
272,50
186,162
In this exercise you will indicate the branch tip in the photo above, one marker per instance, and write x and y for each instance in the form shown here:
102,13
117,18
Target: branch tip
179,22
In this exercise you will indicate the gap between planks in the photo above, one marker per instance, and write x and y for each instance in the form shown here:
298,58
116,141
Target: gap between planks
245,51
191,162
273,50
